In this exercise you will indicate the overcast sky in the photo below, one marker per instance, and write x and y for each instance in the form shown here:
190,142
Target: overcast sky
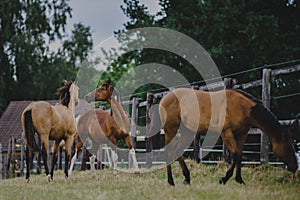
103,16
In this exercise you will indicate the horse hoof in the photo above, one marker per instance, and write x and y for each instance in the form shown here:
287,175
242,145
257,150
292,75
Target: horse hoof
186,182
137,172
222,181
171,183
49,178
197,160
27,180
240,181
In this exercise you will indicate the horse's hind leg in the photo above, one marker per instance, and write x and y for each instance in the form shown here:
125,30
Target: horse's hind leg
185,170
54,159
45,148
28,152
196,147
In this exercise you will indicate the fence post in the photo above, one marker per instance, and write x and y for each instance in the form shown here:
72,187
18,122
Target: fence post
1,165
22,155
228,83
8,158
13,156
149,145
266,92
133,128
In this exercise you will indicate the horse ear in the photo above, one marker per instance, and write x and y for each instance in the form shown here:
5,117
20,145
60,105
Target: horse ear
112,89
65,82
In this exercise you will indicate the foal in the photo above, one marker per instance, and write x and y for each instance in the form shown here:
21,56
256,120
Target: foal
105,126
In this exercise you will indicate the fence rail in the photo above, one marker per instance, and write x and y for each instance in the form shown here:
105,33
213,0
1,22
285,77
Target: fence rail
268,76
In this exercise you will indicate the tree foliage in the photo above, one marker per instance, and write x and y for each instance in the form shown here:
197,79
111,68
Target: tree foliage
238,34
29,69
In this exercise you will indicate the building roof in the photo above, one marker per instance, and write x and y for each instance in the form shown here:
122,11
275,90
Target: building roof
10,121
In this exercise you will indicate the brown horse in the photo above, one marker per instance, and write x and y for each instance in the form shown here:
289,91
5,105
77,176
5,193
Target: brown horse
105,126
197,113
50,123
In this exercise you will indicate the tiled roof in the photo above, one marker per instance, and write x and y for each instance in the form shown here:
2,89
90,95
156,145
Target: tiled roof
10,121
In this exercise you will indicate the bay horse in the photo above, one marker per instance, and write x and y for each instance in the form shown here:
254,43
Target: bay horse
51,123
103,126
241,112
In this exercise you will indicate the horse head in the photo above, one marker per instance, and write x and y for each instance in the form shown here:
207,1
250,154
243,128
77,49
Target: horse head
102,93
283,148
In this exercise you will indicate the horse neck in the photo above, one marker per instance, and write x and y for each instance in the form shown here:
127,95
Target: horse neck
71,105
120,116
266,121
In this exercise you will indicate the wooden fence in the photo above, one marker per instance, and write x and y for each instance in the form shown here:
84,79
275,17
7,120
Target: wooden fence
268,75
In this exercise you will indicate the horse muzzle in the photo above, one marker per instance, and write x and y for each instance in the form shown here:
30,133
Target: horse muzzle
89,99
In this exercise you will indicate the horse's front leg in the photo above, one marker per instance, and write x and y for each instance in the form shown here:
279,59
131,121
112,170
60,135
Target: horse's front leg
114,156
54,160
78,145
230,142
238,176
135,163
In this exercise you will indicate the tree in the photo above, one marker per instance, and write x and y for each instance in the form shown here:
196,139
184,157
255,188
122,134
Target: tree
238,34
29,69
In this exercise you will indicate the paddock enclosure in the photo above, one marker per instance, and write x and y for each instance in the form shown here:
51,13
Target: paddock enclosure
257,148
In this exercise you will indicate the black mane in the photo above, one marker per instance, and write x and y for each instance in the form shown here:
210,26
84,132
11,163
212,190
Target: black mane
256,100
264,117
64,93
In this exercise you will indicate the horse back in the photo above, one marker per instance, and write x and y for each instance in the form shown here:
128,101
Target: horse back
199,110
39,112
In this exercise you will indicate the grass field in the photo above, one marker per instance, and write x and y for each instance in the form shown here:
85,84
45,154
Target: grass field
263,182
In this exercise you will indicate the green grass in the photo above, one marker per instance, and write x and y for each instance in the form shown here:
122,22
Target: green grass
263,182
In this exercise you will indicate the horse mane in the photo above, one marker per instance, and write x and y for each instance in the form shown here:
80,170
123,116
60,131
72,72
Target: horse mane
249,96
264,117
64,93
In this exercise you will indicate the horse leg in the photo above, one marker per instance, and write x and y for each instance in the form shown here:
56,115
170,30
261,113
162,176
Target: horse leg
28,152
92,163
54,159
241,138
68,145
196,147
185,170
170,132
45,148
229,140
115,161
78,145
132,154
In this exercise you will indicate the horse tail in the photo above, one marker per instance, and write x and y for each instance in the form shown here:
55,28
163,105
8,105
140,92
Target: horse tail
155,127
30,131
